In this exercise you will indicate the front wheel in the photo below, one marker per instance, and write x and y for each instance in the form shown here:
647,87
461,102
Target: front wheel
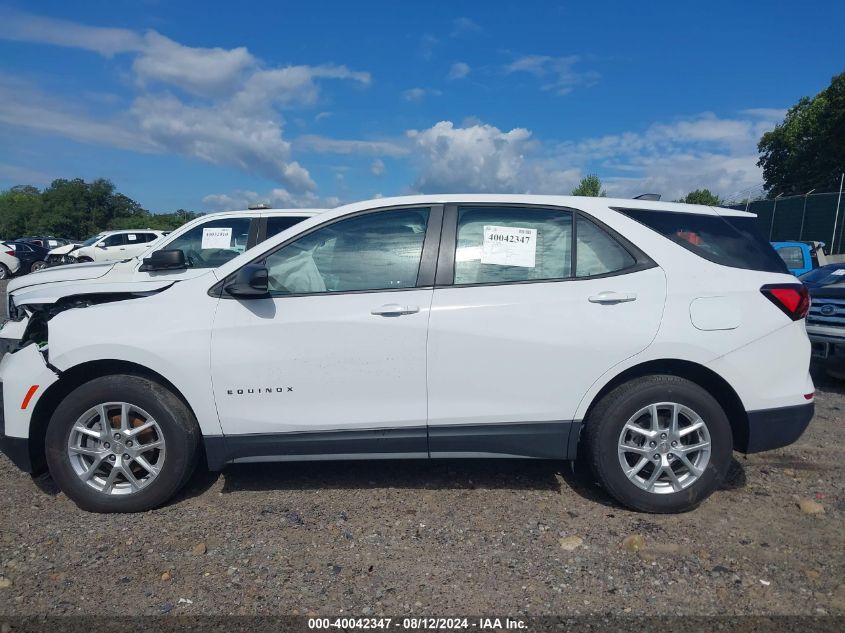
659,444
36,266
83,260
121,444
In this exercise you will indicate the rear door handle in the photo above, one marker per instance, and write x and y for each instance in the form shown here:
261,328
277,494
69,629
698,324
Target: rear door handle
612,297
394,309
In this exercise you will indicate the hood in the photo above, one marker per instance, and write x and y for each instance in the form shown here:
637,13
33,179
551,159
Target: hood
39,295
71,272
64,250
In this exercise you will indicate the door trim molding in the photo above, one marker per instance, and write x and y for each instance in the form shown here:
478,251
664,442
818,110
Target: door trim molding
555,439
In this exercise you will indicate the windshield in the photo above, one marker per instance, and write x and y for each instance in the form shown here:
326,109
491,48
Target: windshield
92,240
825,276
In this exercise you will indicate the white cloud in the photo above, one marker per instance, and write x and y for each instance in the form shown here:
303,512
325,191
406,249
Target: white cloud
463,26
325,145
23,175
459,70
418,94
201,71
377,168
670,158
278,198
413,94
557,74
231,114
25,27
479,158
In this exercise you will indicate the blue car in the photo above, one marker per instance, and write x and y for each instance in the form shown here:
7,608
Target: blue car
800,257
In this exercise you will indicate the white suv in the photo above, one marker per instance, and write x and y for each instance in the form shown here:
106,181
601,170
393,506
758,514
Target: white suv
651,338
9,263
104,247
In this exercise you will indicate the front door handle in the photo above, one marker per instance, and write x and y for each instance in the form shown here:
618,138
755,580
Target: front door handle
394,309
612,297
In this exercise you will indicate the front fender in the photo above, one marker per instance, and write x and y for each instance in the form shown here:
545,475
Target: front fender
170,340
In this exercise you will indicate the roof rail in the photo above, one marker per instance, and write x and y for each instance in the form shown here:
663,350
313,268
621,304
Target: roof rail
648,196
259,207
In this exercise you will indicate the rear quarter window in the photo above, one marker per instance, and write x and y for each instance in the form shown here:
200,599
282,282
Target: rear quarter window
733,241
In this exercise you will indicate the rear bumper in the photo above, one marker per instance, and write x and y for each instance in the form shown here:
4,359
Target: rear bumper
774,428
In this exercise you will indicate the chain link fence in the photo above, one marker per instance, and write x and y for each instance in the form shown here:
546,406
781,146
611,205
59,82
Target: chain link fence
808,217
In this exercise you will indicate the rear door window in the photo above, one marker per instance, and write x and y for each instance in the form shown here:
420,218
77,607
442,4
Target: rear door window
503,244
728,240
597,253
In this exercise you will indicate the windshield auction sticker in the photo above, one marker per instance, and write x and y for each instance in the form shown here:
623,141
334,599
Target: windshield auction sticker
217,237
509,246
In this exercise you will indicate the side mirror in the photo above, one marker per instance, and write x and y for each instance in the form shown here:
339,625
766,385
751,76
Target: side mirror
164,260
251,281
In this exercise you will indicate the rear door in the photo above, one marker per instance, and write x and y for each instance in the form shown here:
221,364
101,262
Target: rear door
532,305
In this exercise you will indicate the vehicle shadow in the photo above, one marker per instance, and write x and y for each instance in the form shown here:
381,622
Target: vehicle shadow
490,474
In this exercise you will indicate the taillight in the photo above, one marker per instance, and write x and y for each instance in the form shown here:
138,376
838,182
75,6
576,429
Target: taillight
10,253
792,299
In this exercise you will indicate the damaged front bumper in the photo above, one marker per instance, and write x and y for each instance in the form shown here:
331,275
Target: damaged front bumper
25,377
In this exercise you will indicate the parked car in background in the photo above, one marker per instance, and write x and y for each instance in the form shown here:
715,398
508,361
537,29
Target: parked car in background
31,255
47,242
193,249
9,262
106,246
801,257
824,275
826,327
656,337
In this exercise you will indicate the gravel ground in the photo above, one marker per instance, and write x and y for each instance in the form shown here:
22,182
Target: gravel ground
441,538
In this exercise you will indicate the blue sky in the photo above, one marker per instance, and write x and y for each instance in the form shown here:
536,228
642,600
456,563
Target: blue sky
211,105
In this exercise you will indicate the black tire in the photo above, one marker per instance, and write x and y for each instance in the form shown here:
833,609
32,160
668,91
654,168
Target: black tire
4,272
178,425
83,260
608,418
36,266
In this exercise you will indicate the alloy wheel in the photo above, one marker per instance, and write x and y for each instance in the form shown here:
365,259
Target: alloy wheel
116,448
664,447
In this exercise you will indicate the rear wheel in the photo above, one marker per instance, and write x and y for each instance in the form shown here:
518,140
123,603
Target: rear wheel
659,444
121,444
4,272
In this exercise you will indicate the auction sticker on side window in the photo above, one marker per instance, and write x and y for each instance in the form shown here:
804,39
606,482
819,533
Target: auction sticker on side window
509,246
216,237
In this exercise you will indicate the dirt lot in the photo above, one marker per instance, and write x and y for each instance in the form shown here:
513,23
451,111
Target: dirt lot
439,538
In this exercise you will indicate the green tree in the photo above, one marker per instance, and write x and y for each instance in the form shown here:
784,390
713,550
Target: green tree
77,209
807,150
590,186
702,196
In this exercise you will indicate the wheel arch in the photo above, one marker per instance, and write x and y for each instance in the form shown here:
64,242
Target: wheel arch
71,379
704,377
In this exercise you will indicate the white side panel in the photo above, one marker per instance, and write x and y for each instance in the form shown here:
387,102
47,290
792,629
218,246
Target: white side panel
168,333
771,372
529,352
19,372
338,365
